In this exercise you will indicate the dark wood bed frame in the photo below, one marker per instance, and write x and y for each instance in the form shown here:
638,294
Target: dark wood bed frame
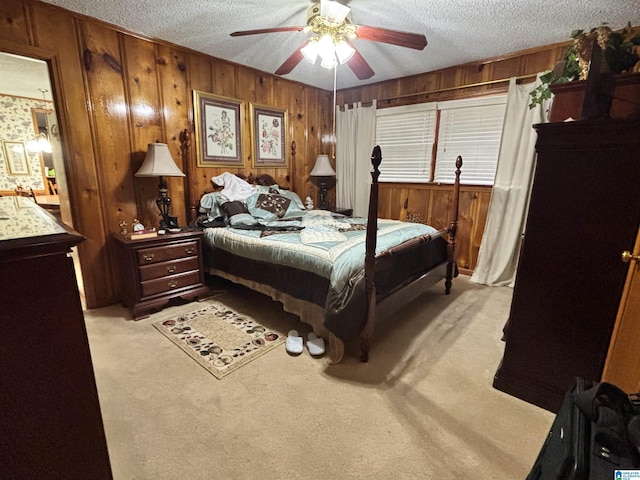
380,307
394,301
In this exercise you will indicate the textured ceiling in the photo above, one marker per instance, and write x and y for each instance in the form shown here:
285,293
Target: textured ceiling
458,31
24,77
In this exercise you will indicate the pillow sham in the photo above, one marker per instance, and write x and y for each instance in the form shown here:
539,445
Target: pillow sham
237,213
210,205
270,206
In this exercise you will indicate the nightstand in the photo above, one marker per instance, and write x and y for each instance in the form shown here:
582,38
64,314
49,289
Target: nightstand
153,271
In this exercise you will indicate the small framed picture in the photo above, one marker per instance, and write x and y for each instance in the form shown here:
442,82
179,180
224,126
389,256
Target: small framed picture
268,130
218,122
15,154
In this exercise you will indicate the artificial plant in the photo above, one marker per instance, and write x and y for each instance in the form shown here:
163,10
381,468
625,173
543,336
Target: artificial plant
620,51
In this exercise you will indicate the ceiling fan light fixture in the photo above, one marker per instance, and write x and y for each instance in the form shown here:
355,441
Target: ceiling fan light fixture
330,61
333,12
327,51
311,50
344,51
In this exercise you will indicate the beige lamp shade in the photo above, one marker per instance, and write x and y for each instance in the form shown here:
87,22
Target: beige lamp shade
159,163
323,167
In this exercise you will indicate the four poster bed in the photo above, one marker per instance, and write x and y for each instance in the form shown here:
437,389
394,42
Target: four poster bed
337,273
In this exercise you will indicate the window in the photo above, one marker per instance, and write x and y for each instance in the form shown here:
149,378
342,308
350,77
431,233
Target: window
471,128
406,135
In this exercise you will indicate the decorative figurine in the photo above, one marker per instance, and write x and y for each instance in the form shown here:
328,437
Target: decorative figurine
123,228
308,203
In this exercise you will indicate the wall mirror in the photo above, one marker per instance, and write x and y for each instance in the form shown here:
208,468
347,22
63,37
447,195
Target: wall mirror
25,100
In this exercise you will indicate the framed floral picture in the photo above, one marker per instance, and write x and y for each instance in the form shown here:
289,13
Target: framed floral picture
268,130
15,154
218,122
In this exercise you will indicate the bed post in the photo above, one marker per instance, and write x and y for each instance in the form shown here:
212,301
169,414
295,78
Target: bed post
370,256
192,198
291,175
451,245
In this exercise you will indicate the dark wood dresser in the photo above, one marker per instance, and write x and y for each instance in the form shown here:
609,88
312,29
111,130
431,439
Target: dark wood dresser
584,212
153,271
50,420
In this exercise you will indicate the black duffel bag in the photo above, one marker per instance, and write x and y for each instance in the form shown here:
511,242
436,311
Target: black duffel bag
595,433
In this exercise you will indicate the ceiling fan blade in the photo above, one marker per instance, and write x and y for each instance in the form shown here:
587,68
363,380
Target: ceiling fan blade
265,30
394,37
359,65
291,62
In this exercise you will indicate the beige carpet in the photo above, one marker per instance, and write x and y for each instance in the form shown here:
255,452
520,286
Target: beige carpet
423,407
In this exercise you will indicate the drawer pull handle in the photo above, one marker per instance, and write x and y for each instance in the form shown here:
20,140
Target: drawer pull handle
171,269
172,284
189,250
147,257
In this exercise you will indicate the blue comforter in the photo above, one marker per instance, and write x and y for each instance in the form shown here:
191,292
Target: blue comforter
328,245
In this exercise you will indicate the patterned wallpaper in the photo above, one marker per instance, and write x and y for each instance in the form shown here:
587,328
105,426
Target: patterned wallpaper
16,125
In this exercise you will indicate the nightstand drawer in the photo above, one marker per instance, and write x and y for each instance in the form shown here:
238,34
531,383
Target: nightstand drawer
172,267
163,253
170,283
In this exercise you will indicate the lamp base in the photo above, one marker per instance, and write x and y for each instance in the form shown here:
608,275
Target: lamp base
168,221
164,203
322,203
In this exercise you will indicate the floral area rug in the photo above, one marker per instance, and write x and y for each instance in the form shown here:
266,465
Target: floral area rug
218,338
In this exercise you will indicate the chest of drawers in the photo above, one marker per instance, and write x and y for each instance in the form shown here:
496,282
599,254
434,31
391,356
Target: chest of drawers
154,271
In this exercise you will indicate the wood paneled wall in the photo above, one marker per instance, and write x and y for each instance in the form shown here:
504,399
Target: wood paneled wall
431,202
115,92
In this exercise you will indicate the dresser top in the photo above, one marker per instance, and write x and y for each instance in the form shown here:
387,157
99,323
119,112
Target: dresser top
20,217
27,229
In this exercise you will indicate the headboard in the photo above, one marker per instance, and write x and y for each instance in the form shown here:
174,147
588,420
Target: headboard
199,179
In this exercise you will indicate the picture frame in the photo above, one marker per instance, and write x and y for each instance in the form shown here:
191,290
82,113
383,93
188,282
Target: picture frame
268,136
16,158
218,127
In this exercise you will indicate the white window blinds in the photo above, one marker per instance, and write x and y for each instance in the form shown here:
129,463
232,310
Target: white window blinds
405,135
471,128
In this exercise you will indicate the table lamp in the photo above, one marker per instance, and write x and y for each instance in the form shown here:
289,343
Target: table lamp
323,169
159,163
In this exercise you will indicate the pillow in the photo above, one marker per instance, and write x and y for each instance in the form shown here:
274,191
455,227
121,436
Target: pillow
274,203
210,204
268,189
237,213
295,199
272,206
265,180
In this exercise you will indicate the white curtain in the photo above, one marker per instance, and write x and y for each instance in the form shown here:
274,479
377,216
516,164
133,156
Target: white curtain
500,246
355,139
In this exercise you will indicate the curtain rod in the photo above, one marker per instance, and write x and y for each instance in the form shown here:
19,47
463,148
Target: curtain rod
446,89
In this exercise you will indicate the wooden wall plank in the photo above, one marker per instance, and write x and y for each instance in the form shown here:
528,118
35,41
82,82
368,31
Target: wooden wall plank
175,107
479,214
200,78
104,77
145,126
109,105
466,222
297,107
14,22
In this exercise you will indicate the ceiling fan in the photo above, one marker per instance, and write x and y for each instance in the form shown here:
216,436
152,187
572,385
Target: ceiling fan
332,39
